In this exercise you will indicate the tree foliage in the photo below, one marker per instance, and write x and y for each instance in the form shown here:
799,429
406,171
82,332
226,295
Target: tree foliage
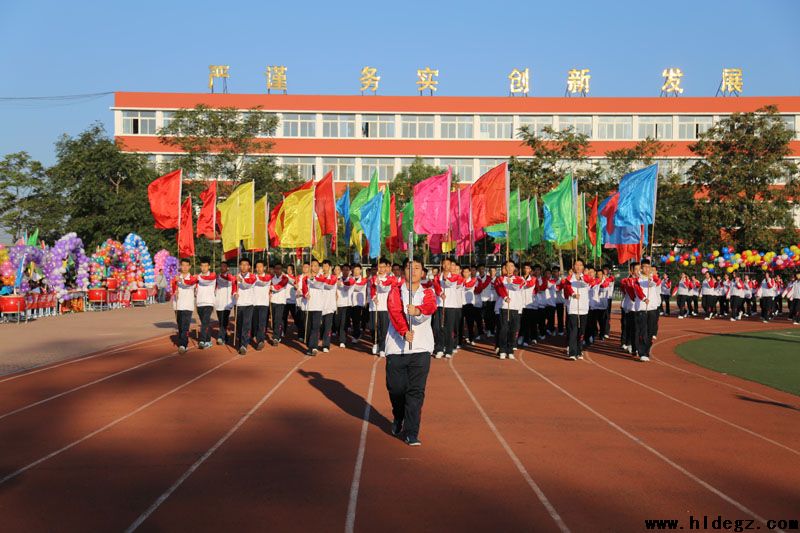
27,199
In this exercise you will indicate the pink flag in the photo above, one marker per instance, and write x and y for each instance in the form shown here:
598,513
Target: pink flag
435,242
465,239
431,204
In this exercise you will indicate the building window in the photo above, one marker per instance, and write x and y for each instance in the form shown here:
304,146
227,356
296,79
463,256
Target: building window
789,122
456,127
655,127
417,126
536,124
377,126
691,127
462,168
166,118
338,125
614,127
303,165
406,162
139,122
488,164
578,124
384,166
299,125
496,127
344,168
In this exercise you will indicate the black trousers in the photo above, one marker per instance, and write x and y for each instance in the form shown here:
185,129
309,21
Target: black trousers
479,320
204,313
682,305
766,307
724,305
357,320
244,322
327,328
693,304
629,328
314,322
260,313
450,329
528,326
292,310
460,326
595,322
602,322
509,327
341,320
608,316
223,317
381,328
665,303
560,317
550,317
794,310
406,376
642,338
576,328
708,304
437,325
471,320
278,321
184,323
652,323
539,322
489,318
736,305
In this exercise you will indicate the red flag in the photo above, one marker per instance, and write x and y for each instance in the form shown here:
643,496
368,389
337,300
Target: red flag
206,220
628,251
185,233
306,185
592,226
164,194
490,197
273,219
393,241
608,212
325,207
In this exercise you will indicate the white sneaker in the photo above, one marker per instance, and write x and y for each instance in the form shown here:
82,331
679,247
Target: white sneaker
458,347
580,356
519,341
573,358
490,334
511,356
681,317
605,336
341,345
733,319
707,318
654,337
438,355
448,356
560,333
502,356
644,358
497,350
525,344
325,350
374,349
382,354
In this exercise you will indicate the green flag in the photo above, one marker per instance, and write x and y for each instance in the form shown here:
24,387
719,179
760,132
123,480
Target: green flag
408,219
33,238
363,196
559,205
535,231
386,214
513,220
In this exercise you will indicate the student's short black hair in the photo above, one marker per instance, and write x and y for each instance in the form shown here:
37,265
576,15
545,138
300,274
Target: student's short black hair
204,259
645,262
326,262
244,260
398,264
185,260
356,265
307,263
278,264
635,263
526,264
383,261
537,265
260,262
312,262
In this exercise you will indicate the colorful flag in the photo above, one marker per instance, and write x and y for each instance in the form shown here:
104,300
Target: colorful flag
33,238
236,214
207,219
408,219
294,221
258,242
560,224
164,194
363,196
343,208
185,232
637,197
393,238
535,231
370,215
386,214
325,207
276,212
432,204
490,197
462,223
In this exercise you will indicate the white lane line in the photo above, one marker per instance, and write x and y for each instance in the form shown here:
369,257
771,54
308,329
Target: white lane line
646,446
695,408
111,424
99,380
48,366
697,374
533,485
362,446
161,499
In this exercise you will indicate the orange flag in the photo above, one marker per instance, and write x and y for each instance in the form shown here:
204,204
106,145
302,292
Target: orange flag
207,219
490,197
185,233
164,194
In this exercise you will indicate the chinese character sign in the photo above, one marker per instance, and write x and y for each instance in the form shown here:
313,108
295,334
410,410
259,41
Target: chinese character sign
369,79
578,81
426,79
519,81
276,78
672,81
732,82
216,71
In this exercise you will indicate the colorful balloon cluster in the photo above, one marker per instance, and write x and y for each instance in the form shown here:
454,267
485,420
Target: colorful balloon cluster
137,250
30,254
167,264
8,275
728,260
109,261
57,259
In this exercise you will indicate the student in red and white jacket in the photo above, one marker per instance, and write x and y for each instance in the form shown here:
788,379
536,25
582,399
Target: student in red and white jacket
358,302
205,297
183,302
261,295
314,290
595,327
472,313
737,293
344,302
379,286
223,300
793,294
245,299
684,295
451,282
767,292
666,292
280,287
487,295
409,344
709,295
576,295
509,291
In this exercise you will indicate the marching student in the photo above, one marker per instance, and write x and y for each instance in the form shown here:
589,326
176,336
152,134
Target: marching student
223,300
528,325
576,295
380,285
409,344
653,292
245,299
344,302
778,307
751,286
314,301
709,295
696,285
509,292
328,305
737,292
684,294
666,292
767,295
558,296
477,303
608,294
183,302
552,286
451,299
205,296
261,289
793,294
642,336
358,299
627,318
291,301
471,321
598,308
280,288
487,297
724,295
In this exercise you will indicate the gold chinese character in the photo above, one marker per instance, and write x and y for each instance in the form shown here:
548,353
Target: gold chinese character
732,82
578,81
276,78
217,71
425,79
369,80
672,81
518,81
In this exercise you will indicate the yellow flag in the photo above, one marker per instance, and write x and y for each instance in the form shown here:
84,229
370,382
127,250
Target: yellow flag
236,215
319,249
298,209
259,238
356,240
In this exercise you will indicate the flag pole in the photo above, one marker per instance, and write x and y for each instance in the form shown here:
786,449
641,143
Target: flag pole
655,200
410,270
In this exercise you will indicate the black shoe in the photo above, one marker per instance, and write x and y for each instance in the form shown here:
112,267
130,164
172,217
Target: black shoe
412,440
397,427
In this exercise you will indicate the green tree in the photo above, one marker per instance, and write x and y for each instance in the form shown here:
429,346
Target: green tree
743,158
403,183
28,199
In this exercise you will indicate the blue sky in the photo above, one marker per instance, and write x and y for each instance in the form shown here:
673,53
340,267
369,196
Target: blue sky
62,48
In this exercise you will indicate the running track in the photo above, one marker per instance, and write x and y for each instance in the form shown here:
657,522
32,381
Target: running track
144,439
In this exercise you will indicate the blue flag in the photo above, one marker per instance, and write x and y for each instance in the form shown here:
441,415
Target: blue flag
637,198
370,214
343,208
621,234
20,270
549,233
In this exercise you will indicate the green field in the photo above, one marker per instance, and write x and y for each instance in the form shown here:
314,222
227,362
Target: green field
768,357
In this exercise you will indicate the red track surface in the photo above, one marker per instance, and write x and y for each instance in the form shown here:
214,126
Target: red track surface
273,441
